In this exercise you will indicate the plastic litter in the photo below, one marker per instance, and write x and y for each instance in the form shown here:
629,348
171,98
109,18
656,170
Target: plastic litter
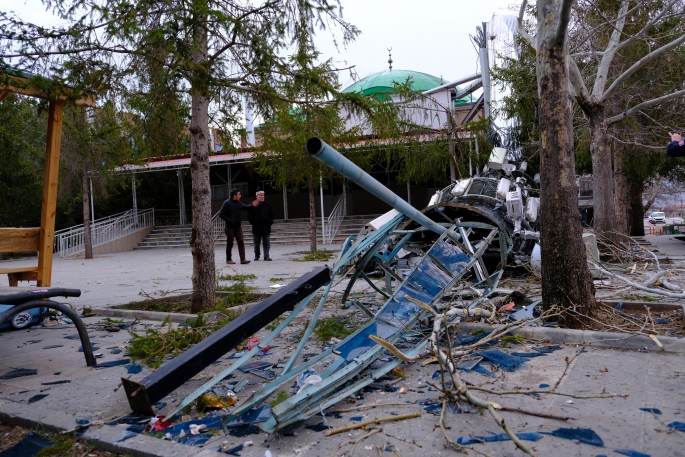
36,398
307,378
116,351
18,373
233,451
92,346
631,453
134,368
53,346
464,440
195,429
30,445
269,375
252,342
356,418
543,386
651,410
584,435
680,426
507,307
194,440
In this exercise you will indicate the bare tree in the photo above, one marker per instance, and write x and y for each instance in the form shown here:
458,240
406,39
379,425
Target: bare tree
598,101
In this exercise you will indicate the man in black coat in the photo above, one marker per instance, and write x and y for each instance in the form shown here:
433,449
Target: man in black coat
676,148
230,212
261,217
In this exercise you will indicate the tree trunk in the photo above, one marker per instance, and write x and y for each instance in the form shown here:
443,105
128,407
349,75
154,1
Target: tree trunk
201,240
636,211
566,281
312,218
602,175
87,233
622,202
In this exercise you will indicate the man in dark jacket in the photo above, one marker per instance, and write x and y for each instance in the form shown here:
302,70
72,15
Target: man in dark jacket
230,212
676,148
261,217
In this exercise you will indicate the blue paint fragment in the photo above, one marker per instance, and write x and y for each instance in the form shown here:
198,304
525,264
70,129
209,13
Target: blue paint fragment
356,418
631,453
501,359
482,370
454,408
126,435
529,354
116,351
547,349
194,440
620,305
464,440
134,368
86,425
92,346
159,405
36,398
651,410
584,435
136,428
113,363
662,321
234,450
543,386
680,426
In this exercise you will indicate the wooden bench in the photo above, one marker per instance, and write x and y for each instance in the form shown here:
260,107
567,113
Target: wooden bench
20,240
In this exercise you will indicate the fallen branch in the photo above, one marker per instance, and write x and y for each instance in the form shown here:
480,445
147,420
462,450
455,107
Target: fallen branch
363,437
375,405
364,424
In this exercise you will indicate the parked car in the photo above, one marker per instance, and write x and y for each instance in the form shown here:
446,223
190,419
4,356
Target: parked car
658,217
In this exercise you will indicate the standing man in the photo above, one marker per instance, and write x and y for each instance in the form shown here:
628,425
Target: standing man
261,217
230,212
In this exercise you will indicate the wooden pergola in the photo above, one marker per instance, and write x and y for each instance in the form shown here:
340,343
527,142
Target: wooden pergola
39,239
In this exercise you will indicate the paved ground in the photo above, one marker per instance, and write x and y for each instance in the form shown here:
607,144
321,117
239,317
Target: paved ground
649,380
115,279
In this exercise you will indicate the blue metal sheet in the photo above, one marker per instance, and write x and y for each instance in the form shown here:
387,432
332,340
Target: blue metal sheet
430,277
361,343
450,256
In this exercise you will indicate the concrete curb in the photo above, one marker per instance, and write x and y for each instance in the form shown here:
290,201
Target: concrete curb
588,338
14,413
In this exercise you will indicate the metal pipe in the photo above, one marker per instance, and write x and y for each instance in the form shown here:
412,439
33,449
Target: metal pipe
326,154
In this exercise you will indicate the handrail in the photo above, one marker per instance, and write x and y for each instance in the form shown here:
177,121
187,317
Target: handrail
335,220
71,240
218,225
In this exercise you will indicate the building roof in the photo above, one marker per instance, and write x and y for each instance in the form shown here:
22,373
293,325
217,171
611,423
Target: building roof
383,82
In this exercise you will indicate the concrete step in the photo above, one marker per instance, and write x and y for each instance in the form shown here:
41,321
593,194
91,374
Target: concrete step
292,231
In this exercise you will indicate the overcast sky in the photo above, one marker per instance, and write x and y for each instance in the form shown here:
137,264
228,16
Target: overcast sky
431,36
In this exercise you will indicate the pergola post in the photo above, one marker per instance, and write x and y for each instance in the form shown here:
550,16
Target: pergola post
50,179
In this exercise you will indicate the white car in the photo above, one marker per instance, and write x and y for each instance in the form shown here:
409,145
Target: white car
658,217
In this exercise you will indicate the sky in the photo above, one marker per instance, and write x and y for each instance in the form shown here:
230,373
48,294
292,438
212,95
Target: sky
431,36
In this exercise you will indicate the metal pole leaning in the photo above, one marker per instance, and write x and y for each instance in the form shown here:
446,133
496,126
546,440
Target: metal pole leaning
326,154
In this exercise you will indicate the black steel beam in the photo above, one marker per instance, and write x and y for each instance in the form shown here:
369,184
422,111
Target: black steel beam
173,374
37,294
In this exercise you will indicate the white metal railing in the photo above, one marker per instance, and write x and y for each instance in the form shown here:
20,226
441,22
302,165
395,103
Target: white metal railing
218,225
70,241
334,220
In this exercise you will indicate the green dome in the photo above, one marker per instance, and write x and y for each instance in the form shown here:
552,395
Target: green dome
382,82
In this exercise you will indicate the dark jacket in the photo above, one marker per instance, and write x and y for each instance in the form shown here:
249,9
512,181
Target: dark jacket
261,217
230,212
676,149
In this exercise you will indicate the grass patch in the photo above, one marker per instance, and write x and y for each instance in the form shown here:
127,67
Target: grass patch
242,277
86,310
240,293
276,279
477,332
333,327
272,326
152,347
280,398
162,306
316,256
512,339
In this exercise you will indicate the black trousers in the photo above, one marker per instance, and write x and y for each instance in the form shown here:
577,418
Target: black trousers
238,234
261,238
